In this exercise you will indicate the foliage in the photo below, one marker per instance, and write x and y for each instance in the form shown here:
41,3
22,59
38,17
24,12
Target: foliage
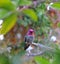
4,59
4,13
56,5
9,12
17,59
7,4
54,59
25,2
31,13
9,8
12,59
8,23
41,60
22,2
56,56
43,24
58,24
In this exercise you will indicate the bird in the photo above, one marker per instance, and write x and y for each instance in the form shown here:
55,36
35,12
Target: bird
29,38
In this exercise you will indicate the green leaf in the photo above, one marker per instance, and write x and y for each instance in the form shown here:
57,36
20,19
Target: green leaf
31,13
22,2
4,59
4,13
8,23
7,4
25,2
56,58
15,2
58,24
41,60
22,22
56,5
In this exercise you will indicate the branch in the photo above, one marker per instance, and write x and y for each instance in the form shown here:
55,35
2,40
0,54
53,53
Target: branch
41,46
41,52
37,54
